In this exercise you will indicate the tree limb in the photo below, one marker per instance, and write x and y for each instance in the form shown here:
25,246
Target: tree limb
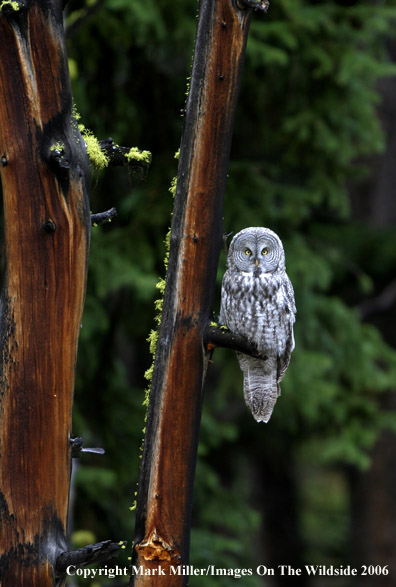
77,448
103,217
137,161
256,5
121,156
89,554
219,336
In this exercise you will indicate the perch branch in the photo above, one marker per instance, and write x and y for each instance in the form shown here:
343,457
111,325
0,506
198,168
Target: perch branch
256,5
91,553
216,336
103,217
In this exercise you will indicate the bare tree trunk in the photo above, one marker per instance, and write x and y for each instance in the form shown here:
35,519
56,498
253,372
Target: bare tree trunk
168,466
44,175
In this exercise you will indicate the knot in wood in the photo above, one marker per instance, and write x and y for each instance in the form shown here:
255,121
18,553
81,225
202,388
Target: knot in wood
49,226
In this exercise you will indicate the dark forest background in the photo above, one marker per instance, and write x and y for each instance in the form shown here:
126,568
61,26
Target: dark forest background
313,158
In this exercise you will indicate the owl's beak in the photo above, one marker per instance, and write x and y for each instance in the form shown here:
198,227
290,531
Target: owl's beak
256,262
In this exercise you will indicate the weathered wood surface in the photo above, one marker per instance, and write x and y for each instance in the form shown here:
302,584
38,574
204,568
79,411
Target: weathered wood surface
47,224
168,466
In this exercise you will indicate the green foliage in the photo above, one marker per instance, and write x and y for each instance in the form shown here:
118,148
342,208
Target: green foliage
325,499
305,122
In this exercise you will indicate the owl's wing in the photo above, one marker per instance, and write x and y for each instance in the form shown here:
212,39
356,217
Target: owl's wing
288,321
289,294
284,358
225,286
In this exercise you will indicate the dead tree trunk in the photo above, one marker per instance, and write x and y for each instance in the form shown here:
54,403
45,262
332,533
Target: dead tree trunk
168,466
44,174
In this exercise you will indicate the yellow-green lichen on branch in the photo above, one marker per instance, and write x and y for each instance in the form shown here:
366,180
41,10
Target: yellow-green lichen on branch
8,4
57,147
135,154
159,302
97,157
172,188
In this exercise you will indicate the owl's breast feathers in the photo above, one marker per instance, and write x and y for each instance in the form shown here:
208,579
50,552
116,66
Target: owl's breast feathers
260,308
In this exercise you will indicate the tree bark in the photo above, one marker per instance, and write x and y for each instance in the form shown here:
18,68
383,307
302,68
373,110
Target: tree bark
169,456
47,227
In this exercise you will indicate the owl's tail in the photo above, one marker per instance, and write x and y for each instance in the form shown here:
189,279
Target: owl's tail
260,386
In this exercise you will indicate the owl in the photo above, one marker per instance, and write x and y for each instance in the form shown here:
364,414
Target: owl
257,302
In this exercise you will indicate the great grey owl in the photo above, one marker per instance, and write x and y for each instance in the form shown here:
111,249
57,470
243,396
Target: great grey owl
257,301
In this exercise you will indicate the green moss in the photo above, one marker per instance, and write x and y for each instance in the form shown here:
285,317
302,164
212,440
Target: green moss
158,305
76,114
98,159
188,86
172,188
57,147
8,4
216,325
137,155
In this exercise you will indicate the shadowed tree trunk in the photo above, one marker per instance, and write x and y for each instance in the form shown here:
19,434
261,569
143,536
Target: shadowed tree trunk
373,506
44,174
168,466
373,513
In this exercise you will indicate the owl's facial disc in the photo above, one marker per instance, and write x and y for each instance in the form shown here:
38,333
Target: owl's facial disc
256,251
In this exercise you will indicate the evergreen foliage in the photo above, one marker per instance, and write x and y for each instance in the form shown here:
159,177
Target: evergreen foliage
306,123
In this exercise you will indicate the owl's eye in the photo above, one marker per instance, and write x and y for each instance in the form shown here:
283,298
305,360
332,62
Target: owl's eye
264,251
248,252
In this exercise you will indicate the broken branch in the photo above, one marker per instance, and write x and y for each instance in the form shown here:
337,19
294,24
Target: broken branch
102,217
125,156
77,448
89,554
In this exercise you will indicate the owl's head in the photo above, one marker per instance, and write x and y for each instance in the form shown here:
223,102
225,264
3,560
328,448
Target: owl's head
256,250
